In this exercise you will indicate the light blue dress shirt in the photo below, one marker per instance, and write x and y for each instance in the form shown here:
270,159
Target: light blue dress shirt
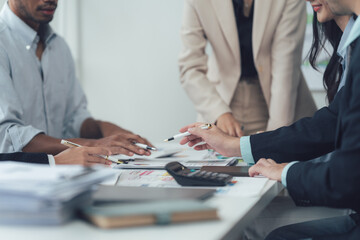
344,53
352,31
36,96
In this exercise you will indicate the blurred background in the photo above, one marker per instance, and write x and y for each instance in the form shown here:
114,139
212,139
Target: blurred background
126,58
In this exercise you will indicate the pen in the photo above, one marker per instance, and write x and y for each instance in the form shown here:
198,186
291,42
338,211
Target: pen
233,162
146,147
71,144
205,127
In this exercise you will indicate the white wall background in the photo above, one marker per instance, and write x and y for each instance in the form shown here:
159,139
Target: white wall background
129,53
126,54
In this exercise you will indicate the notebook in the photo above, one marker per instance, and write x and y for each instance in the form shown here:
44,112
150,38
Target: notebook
149,213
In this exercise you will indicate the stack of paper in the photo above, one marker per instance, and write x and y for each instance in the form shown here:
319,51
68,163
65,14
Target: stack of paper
39,194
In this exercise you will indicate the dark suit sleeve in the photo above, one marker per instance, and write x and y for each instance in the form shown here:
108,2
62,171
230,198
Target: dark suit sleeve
306,139
335,183
25,157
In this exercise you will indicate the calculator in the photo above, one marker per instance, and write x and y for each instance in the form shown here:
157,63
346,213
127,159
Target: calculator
191,177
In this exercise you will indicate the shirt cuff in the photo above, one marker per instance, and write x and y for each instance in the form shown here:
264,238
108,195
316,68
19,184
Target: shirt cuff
51,161
285,171
245,149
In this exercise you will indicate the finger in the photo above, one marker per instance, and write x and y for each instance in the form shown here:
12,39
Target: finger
232,132
194,142
184,141
99,160
238,131
219,126
128,145
96,150
263,162
271,161
120,150
187,139
102,162
224,129
95,159
201,147
193,125
255,170
148,143
192,137
198,132
137,138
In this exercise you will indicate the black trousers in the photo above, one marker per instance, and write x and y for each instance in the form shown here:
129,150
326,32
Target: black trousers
339,228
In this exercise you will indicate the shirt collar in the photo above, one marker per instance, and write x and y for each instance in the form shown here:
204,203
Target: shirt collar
354,33
28,34
342,50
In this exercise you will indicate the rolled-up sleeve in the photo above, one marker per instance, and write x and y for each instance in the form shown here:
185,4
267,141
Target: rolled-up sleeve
14,134
76,110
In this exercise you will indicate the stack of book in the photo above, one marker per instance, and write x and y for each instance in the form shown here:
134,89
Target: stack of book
115,206
39,194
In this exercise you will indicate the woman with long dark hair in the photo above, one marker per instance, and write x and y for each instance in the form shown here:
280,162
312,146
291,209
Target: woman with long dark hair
333,29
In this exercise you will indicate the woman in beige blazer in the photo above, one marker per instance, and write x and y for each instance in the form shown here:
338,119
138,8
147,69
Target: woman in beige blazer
276,95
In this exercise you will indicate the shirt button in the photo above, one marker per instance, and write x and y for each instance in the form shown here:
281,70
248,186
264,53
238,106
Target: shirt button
28,47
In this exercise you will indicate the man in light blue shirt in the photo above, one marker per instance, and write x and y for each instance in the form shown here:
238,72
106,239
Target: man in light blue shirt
41,100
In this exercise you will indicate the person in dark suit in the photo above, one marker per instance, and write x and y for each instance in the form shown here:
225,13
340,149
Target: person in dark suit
82,156
335,128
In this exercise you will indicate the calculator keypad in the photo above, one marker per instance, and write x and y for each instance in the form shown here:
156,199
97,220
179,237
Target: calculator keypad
190,177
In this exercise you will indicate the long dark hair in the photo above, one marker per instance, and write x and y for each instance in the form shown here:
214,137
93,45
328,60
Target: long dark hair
323,32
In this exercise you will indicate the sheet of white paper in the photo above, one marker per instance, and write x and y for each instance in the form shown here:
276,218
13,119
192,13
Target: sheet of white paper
160,163
241,186
146,178
161,152
245,187
172,150
23,172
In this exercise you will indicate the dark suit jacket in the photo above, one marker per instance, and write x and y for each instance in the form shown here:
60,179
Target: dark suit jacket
25,157
335,183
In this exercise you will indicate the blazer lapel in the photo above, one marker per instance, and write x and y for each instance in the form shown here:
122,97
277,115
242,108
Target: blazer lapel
224,10
261,15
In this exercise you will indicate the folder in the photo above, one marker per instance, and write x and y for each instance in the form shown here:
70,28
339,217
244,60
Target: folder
149,213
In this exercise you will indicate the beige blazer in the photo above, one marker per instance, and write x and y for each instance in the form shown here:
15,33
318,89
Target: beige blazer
278,36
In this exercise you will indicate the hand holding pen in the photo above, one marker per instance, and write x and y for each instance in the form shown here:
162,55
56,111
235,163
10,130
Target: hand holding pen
210,138
124,143
106,157
146,147
186,133
86,156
